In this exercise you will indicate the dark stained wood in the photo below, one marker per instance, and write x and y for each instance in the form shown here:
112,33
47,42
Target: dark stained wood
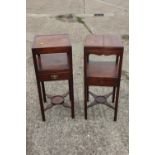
43,44
53,62
102,69
103,45
113,96
52,57
51,41
57,100
103,73
43,90
103,41
41,101
54,76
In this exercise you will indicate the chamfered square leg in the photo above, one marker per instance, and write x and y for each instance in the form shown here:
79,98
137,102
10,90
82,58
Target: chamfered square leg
113,96
71,94
43,91
116,104
85,99
40,101
87,93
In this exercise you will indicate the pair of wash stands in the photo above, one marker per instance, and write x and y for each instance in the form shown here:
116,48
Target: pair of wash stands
52,57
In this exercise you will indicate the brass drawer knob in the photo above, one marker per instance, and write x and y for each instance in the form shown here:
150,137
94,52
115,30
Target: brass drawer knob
54,76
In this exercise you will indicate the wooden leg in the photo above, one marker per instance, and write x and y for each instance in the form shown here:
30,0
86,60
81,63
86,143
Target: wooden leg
86,96
71,94
41,102
113,96
87,93
43,90
70,88
116,104
85,99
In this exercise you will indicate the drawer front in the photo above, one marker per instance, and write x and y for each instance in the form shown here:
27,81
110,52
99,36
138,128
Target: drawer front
102,82
54,76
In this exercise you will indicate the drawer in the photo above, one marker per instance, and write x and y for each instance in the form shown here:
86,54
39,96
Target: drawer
102,82
53,76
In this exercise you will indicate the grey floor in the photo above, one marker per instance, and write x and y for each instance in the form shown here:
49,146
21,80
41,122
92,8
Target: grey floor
61,135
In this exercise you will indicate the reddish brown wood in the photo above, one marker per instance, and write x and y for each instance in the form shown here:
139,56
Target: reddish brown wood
52,57
44,44
53,62
113,96
51,41
101,99
57,99
43,90
102,73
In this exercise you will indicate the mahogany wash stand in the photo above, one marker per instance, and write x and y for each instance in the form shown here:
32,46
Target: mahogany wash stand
103,73
52,57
